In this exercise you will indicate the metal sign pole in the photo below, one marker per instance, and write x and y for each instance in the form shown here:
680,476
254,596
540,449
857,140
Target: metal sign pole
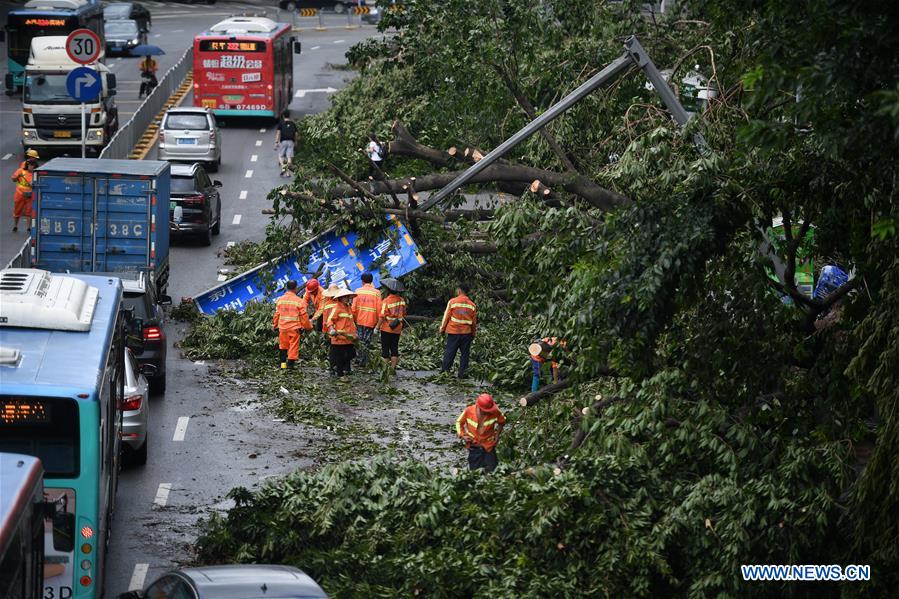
83,130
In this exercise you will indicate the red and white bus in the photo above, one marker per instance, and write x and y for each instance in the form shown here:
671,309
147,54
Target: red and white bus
243,66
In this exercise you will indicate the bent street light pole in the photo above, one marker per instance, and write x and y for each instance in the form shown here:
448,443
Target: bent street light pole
634,54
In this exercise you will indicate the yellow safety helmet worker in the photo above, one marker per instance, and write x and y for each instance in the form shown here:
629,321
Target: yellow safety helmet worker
32,154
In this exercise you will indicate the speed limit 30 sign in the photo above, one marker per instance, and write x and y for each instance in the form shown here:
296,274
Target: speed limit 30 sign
83,46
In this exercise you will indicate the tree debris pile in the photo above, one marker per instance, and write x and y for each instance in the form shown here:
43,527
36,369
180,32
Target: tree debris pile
739,420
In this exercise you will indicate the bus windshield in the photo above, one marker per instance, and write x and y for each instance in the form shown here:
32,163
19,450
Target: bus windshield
45,427
23,28
47,88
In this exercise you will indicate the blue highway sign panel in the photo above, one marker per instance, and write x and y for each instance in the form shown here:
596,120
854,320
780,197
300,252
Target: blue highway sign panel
84,84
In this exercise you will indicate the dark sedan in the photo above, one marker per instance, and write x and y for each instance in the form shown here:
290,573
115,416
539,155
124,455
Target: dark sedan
195,208
123,36
118,11
232,582
147,304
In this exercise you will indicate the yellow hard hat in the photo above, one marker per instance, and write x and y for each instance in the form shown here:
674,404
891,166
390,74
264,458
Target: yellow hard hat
32,154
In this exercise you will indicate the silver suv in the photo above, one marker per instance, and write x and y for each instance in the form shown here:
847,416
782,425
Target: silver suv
191,135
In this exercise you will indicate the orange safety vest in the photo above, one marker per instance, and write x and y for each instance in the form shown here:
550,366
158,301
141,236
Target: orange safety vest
327,309
23,179
367,305
341,318
290,313
480,426
460,317
316,300
393,307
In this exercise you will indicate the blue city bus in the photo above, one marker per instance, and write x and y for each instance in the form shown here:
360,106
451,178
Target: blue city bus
21,526
62,343
40,18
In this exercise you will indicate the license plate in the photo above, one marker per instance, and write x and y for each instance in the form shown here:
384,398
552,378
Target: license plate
62,134
186,141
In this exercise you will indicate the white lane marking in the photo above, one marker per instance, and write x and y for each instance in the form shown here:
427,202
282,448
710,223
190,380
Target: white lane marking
315,47
301,93
177,31
138,578
231,244
162,494
7,157
249,175
254,158
222,278
181,428
258,143
157,35
236,220
334,42
243,194
263,130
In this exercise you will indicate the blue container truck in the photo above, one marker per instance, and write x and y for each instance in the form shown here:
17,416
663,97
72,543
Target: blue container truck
100,215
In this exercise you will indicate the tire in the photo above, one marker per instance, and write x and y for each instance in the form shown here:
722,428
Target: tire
206,239
139,456
213,167
218,226
157,384
291,6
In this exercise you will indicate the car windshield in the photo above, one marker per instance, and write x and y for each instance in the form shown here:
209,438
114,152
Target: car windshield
138,302
121,29
190,122
183,185
117,11
47,88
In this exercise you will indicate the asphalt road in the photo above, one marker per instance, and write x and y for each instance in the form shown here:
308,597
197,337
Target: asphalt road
205,435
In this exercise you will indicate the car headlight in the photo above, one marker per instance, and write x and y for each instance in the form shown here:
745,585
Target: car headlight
95,135
134,42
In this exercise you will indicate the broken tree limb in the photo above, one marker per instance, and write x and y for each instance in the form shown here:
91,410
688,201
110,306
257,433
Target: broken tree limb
435,217
533,398
596,410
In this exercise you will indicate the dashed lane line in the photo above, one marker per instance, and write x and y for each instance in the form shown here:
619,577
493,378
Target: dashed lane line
338,41
263,130
138,577
7,157
254,158
249,175
236,220
258,143
181,428
221,278
231,244
315,47
162,494
243,194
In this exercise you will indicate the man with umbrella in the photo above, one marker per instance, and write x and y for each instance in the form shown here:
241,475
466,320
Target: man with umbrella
390,322
148,67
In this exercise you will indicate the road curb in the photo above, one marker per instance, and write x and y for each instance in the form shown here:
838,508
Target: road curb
146,141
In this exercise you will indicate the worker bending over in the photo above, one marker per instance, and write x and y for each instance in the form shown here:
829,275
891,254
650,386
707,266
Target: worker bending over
540,351
313,298
290,320
480,425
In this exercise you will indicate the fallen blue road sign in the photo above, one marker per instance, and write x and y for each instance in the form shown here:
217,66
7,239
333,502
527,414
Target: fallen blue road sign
335,257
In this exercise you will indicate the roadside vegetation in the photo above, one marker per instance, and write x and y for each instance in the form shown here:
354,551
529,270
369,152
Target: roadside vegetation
714,417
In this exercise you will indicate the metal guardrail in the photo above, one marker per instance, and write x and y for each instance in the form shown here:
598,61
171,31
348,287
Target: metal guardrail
22,259
127,136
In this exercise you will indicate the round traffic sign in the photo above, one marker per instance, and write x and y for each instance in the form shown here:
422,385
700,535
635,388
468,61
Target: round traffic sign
83,46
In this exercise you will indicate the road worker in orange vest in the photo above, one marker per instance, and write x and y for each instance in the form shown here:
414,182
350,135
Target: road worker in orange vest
390,323
329,303
22,199
290,321
313,298
460,321
480,425
540,351
366,308
342,331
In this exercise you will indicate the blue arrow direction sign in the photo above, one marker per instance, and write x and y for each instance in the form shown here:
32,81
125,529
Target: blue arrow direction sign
84,84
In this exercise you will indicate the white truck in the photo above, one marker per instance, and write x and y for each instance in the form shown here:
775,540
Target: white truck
51,118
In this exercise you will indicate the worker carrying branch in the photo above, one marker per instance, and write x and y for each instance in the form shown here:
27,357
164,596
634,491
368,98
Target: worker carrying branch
548,348
290,320
480,425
